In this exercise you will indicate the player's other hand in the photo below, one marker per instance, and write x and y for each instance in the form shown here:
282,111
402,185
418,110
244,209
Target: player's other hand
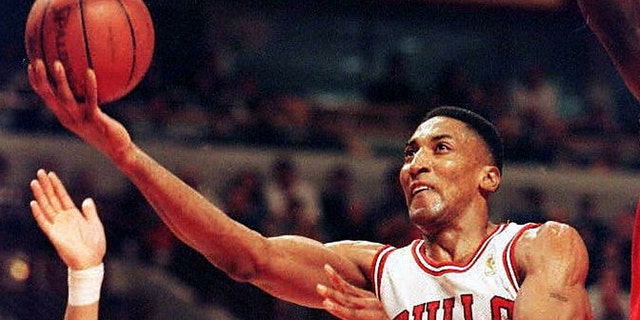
82,118
348,302
77,236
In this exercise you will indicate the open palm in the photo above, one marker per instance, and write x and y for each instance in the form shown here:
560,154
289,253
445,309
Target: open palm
78,236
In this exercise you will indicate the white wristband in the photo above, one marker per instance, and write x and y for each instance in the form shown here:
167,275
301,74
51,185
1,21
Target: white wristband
84,285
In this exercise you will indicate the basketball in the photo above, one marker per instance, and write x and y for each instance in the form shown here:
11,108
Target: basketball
115,38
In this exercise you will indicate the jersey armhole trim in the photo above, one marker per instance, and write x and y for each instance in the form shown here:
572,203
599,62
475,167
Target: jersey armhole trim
377,265
509,257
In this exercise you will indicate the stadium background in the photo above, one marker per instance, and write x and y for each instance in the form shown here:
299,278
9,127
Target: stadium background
237,86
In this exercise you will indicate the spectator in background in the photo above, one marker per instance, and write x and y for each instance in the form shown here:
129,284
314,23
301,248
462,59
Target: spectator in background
536,103
387,219
394,87
455,88
610,292
343,216
594,232
608,300
287,121
11,197
243,199
533,209
293,203
599,115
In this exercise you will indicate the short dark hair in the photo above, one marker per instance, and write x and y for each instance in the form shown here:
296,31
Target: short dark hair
485,129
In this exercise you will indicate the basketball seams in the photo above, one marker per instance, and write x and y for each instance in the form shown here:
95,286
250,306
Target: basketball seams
134,42
43,54
115,38
85,36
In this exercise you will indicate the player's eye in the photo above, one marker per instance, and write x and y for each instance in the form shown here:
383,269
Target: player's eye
409,152
442,147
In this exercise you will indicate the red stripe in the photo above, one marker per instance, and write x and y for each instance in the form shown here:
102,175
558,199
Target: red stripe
439,268
509,257
378,261
635,264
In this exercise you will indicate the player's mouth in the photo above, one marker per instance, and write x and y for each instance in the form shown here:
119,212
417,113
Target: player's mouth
417,188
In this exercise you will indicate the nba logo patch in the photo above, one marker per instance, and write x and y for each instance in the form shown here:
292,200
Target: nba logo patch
490,266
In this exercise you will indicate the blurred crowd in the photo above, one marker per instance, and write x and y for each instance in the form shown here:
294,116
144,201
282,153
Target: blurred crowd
152,275
542,123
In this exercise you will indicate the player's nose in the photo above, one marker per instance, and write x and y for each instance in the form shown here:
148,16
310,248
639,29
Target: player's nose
421,162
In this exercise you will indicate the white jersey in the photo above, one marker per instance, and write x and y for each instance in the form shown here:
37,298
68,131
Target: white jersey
413,287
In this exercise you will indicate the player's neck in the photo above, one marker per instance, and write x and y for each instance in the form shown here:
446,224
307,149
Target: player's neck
457,244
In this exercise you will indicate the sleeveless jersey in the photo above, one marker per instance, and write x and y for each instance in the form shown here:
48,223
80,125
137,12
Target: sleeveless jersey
414,287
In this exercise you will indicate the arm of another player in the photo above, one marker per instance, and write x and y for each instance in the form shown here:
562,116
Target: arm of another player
616,23
79,239
554,261
348,302
288,267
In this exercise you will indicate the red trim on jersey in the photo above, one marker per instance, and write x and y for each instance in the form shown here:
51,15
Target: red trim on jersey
435,268
634,299
509,260
377,264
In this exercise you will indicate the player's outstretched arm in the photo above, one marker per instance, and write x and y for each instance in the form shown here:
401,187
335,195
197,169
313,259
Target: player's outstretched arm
616,23
554,262
288,267
79,239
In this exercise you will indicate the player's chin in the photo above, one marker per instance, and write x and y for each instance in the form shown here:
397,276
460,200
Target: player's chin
424,213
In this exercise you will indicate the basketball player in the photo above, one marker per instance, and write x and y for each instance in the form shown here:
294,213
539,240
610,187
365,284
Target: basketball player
616,24
79,239
465,266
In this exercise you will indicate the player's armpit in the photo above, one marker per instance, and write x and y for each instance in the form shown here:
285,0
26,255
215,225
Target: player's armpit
553,261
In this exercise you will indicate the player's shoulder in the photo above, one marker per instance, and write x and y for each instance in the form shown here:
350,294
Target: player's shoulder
550,239
549,231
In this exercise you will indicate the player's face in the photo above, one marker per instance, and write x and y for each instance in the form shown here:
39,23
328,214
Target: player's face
442,168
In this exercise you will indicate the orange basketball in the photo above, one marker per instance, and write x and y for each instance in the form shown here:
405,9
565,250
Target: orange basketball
115,38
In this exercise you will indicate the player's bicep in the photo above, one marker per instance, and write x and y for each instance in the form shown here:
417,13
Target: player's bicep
295,265
554,260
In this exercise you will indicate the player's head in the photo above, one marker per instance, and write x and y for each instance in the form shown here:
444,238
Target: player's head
485,129
452,163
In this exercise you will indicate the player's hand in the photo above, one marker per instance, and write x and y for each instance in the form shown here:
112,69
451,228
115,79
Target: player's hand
77,236
84,119
348,302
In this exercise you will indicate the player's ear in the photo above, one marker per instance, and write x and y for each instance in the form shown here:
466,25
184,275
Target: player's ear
490,179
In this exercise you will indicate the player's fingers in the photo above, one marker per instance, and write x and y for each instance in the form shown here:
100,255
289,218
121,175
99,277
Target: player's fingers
48,191
62,195
43,220
31,76
39,81
70,106
347,313
89,209
91,91
339,297
41,200
338,283
62,83
339,311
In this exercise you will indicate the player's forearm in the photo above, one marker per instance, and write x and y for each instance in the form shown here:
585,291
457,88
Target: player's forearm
192,218
616,23
87,312
538,302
